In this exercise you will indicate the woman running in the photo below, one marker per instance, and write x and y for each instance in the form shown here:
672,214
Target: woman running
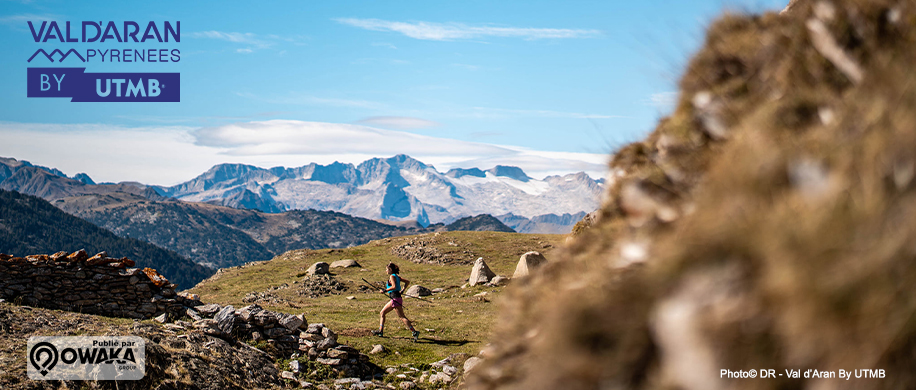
393,289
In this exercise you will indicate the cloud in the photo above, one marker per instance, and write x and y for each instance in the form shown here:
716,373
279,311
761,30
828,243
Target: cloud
288,137
455,31
169,155
489,112
308,100
663,101
398,122
20,22
250,40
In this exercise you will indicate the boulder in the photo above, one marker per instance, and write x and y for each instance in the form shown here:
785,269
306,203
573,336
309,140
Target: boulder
288,375
498,280
471,363
418,291
376,349
407,385
225,319
162,318
294,365
346,263
319,268
527,263
480,273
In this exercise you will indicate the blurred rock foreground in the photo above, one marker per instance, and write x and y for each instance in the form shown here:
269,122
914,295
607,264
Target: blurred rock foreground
768,223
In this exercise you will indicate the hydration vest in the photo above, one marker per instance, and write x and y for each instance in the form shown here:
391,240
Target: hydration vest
396,293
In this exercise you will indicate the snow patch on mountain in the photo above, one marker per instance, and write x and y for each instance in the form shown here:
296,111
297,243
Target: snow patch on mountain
398,188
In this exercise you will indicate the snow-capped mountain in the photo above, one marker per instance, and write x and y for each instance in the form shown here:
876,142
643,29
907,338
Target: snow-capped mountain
396,188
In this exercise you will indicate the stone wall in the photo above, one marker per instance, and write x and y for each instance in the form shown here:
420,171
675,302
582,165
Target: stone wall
110,287
93,285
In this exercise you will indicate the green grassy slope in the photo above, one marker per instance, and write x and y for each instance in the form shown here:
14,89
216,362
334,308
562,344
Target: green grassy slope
461,322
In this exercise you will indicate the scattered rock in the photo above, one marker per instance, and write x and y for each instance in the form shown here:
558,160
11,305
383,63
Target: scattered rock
407,385
527,263
319,268
440,377
346,263
480,273
497,281
288,375
376,349
418,291
471,363
162,318
321,286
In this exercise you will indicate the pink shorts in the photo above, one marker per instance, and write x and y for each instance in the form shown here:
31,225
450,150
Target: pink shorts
397,302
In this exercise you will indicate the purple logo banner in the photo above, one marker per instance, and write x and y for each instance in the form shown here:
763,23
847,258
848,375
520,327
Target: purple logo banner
80,86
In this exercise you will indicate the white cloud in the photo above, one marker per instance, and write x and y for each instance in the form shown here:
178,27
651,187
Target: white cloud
398,122
288,137
489,112
250,40
308,100
169,155
664,101
454,31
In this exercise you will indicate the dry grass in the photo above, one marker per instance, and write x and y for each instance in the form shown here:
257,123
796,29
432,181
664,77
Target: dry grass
792,247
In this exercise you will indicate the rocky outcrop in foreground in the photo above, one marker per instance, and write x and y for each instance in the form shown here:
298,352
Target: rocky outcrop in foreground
106,286
768,223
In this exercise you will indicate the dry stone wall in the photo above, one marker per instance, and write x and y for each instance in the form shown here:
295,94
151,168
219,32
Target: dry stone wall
108,286
94,285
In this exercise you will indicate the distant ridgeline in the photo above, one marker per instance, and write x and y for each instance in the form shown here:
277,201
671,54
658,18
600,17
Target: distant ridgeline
31,225
204,230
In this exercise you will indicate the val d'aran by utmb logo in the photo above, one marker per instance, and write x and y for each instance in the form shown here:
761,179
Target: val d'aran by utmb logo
88,42
86,358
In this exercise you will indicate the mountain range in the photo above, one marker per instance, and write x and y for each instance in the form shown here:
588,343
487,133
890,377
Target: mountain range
234,214
399,188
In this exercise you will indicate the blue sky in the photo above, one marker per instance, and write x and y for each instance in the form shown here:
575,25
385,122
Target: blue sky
551,86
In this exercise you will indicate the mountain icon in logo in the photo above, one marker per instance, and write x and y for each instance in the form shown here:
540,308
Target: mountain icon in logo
63,55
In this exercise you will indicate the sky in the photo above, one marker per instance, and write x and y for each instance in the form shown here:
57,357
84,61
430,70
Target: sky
550,86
